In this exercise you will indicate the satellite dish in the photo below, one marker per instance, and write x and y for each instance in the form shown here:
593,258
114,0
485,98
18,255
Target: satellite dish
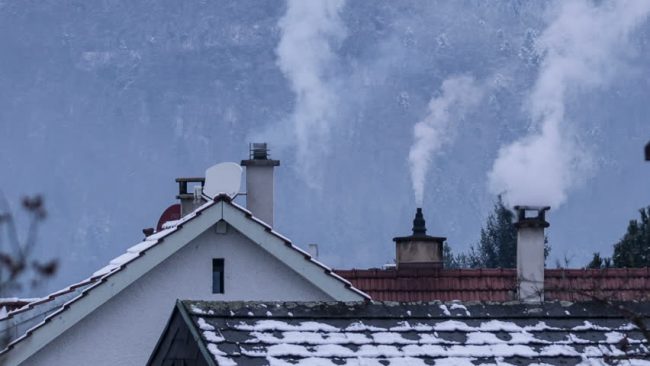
222,178
172,213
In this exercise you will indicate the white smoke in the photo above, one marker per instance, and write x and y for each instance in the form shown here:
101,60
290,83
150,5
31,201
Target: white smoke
305,56
436,129
581,50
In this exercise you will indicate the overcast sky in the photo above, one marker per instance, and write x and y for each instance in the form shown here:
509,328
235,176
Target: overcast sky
371,106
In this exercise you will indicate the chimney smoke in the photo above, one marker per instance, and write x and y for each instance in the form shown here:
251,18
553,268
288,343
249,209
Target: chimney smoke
436,130
543,166
306,54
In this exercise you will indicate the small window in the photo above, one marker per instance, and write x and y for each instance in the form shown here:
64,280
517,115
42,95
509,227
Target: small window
217,275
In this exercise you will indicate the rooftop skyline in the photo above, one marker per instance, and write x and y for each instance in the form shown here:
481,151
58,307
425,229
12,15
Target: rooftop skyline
102,107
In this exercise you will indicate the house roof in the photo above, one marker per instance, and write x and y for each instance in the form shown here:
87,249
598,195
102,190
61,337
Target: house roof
13,303
498,284
53,318
389,333
17,321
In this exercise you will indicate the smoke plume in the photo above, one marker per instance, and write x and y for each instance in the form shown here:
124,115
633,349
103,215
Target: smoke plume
581,50
436,129
305,56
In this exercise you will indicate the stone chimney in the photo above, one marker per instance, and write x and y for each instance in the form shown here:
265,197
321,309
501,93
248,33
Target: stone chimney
419,250
259,182
530,252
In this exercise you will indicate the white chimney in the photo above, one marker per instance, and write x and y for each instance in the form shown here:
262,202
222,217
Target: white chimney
530,253
259,182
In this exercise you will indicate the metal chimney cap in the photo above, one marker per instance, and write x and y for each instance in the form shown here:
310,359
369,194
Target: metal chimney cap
419,230
419,225
258,150
259,155
531,208
538,221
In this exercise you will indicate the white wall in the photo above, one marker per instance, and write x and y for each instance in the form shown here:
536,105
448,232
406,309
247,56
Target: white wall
125,329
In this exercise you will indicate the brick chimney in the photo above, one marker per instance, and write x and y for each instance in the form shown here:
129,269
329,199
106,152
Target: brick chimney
259,182
419,250
530,252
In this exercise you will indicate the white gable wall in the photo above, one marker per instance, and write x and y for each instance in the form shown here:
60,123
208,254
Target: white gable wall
125,330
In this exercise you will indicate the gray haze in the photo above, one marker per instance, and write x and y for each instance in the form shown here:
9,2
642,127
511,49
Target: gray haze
104,103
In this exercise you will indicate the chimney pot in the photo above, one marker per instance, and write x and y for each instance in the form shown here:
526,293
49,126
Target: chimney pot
419,250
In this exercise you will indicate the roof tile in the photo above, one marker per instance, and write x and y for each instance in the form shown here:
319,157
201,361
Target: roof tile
416,334
498,284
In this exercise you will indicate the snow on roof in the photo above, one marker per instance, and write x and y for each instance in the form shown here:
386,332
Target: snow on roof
19,325
14,303
417,333
17,322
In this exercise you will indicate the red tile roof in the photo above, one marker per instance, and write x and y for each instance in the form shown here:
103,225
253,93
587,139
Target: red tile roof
621,284
498,284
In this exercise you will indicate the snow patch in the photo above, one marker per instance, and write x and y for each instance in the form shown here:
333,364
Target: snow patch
204,325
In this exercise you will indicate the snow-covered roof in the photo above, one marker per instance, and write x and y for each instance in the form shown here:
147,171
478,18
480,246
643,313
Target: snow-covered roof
15,322
435,333
37,324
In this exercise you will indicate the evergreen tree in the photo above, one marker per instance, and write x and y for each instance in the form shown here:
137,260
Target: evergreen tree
448,258
497,247
633,250
498,244
451,260
598,262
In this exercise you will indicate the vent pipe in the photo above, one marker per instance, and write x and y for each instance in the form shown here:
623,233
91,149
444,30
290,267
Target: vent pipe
530,252
259,182
313,250
647,152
